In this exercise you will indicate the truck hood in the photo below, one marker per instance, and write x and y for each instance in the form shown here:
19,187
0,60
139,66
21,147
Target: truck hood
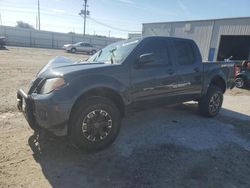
60,66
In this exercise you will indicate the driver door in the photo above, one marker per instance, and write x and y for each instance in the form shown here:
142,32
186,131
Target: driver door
157,79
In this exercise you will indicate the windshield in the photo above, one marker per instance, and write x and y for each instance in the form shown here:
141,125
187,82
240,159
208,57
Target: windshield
114,53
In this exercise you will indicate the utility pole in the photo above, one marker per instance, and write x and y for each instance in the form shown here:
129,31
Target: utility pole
36,22
85,13
1,19
38,6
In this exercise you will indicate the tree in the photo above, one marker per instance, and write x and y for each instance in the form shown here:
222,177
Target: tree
72,33
24,25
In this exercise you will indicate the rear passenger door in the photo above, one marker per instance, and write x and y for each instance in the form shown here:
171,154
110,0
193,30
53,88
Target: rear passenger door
189,68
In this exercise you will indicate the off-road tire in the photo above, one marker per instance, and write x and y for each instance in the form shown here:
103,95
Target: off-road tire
83,108
205,102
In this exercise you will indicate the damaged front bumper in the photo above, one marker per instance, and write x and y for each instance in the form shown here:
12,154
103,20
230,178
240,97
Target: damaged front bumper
44,112
24,105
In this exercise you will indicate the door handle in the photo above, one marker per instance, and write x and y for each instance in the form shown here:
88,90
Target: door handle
197,69
170,71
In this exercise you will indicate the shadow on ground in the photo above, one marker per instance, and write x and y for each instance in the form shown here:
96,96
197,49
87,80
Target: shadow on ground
165,147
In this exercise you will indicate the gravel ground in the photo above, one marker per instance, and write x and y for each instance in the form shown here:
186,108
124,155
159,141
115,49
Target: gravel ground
162,147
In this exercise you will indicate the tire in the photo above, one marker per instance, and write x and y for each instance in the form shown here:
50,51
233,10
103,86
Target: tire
95,123
240,82
92,52
210,104
73,50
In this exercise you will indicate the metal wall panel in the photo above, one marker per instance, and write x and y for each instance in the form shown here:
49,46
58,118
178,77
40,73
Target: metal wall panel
206,33
240,26
200,32
157,29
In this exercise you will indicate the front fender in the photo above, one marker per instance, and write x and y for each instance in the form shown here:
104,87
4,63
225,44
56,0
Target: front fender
82,84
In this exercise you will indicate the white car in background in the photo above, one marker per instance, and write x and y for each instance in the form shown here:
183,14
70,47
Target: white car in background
80,47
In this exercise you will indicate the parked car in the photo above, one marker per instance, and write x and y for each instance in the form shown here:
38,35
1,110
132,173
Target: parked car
80,47
243,75
86,99
2,42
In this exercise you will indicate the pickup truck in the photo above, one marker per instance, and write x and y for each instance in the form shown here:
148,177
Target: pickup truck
86,100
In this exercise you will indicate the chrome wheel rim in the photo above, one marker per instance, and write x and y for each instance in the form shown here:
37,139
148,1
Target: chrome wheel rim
214,103
239,83
96,125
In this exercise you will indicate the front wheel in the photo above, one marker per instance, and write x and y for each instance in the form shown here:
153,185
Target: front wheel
94,124
210,104
73,50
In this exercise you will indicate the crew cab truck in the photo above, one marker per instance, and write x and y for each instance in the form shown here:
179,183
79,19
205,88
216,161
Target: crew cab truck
87,99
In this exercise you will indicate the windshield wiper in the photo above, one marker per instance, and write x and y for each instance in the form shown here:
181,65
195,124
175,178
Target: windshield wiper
99,53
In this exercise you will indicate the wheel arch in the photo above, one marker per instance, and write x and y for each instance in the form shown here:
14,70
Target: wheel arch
101,92
73,48
219,82
241,76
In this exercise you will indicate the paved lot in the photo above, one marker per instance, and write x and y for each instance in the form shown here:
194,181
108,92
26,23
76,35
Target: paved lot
162,147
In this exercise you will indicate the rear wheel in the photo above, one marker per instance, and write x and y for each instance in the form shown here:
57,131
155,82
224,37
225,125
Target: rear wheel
92,52
73,50
211,103
240,82
94,124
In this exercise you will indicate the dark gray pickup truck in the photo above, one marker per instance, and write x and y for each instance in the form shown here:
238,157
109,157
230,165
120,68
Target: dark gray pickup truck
86,99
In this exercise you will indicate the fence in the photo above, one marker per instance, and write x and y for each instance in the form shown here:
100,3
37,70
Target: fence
45,39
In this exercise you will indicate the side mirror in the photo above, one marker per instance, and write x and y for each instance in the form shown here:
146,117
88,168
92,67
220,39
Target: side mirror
146,58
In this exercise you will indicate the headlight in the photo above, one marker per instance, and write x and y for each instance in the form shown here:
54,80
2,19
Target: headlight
51,85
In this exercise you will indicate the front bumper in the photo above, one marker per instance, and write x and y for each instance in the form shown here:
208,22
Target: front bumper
66,48
24,105
43,112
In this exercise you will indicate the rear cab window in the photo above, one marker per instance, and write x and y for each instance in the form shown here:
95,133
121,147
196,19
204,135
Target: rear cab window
184,52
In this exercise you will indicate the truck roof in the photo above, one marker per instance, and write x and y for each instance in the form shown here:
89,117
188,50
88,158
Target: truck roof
164,37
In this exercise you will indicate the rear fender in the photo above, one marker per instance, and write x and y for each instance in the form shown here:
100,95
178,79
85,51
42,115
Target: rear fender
217,74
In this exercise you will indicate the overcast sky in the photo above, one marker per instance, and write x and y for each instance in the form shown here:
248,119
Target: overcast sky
62,15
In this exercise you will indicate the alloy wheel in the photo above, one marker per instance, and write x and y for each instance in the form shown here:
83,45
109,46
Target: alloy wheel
96,125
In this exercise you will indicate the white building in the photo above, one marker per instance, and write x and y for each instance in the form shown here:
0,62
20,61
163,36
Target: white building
134,35
217,39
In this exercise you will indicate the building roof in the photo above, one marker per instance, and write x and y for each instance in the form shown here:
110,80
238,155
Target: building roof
232,18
